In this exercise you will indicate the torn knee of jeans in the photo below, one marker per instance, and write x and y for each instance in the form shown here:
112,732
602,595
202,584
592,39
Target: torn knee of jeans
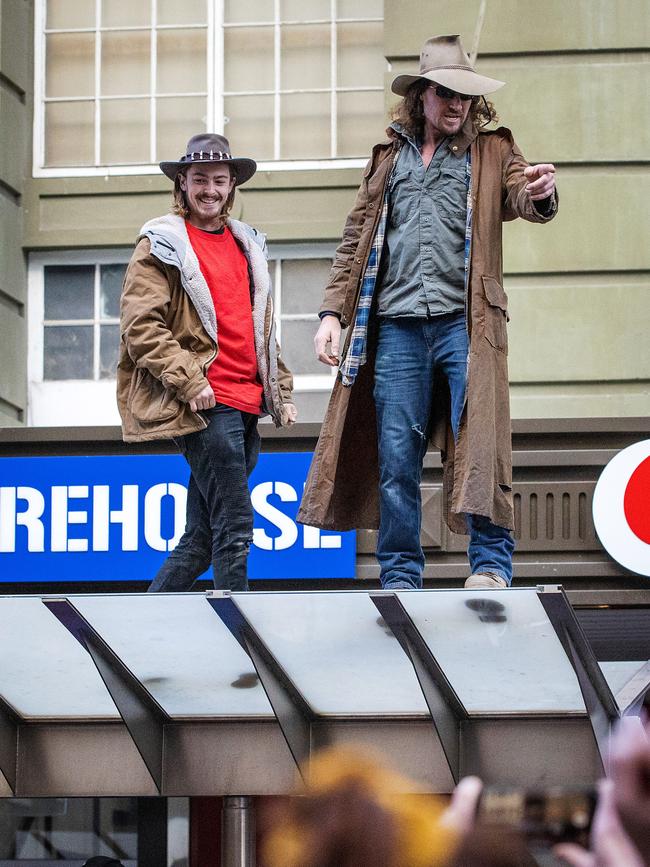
418,430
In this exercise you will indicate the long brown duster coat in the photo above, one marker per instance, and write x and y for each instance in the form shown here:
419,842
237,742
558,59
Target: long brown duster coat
342,490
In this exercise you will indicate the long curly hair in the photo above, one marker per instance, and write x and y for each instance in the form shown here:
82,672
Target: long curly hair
409,111
179,199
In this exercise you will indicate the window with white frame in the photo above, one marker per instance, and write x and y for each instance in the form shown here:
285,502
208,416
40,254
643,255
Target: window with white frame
74,328
81,310
299,274
121,85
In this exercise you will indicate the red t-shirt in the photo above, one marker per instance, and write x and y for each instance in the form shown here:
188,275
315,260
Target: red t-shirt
233,373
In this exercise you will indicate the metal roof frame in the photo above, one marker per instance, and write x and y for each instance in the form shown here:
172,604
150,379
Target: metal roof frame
144,718
149,752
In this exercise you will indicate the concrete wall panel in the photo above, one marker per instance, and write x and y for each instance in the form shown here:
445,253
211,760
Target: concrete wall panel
603,225
13,118
13,340
576,109
15,25
16,39
597,322
12,260
519,25
580,400
73,219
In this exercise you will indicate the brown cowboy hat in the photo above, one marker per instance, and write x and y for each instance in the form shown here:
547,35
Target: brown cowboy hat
443,60
208,147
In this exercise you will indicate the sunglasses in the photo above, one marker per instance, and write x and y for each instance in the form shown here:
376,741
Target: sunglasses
445,93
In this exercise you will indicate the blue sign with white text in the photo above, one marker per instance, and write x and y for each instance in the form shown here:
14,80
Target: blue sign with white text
115,518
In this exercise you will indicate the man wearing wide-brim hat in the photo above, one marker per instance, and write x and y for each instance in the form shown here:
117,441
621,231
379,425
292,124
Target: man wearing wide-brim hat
417,279
199,362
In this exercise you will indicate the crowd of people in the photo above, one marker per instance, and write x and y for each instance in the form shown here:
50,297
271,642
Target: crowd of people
356,813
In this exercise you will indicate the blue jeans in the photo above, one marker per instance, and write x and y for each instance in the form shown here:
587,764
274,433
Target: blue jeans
219,525
409,353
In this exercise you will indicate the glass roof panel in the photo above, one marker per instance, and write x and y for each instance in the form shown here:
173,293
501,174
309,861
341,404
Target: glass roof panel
337,650
619,672
498,649
181,652
45,672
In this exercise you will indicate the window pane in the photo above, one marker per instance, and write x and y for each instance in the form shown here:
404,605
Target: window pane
178,118
182,61
305,126
35,829
360,58
124,131
70,64
69,291
69,134
68,352
188,12
360,8
111,277
252,10
304,10
303,281
361,122
248,58
70,13
305,57
125,13
298,347
109,345
125,63
249,126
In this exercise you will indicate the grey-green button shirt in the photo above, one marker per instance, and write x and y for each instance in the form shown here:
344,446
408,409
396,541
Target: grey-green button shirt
423,263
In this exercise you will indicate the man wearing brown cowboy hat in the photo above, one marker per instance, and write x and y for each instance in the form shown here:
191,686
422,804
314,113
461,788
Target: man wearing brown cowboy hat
418,278
199,362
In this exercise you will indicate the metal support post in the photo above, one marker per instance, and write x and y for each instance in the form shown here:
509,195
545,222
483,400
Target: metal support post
144,718
634,694
598,698
9,722
238,832
152,832
446,708
291,710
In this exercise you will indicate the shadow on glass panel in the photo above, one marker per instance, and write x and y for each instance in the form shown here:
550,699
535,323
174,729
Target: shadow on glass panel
488,610
247,680
152,681
381,622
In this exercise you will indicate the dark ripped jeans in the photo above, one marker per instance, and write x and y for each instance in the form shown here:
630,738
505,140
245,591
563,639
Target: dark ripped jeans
219,525
409,351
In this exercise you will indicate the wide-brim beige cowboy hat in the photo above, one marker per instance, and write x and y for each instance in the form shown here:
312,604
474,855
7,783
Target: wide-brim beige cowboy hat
443,60
209,147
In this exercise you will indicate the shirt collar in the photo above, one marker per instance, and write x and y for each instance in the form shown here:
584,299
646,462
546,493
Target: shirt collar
458,145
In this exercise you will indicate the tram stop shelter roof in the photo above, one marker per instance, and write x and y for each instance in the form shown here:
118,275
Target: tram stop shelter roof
225,694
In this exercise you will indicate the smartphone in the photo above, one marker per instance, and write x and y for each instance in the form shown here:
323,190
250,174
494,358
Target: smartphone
549,816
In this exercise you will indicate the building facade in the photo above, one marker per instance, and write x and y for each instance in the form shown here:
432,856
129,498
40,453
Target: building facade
94,94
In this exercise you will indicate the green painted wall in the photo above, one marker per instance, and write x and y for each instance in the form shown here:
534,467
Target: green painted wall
519,26
577,77
15,154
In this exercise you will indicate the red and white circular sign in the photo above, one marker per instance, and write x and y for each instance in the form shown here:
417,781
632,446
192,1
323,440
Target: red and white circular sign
621,508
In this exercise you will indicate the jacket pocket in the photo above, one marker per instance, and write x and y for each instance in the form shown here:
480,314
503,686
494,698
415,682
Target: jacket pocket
496,314
149,400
